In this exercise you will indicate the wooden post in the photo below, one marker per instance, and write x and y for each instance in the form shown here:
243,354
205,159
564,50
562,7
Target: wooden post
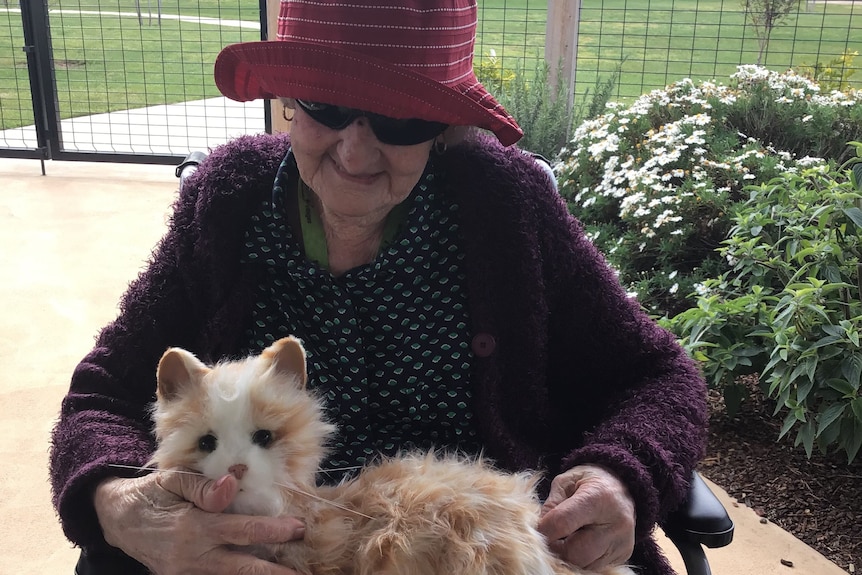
279,124
561,43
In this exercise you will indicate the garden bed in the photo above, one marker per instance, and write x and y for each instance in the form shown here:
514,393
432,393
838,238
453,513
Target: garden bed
818,500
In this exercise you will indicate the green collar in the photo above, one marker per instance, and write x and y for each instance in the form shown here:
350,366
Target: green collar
313,236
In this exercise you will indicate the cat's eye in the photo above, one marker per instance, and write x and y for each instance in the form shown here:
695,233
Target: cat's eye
207,443
262,437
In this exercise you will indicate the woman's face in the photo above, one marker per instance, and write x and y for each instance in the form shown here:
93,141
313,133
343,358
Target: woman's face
353,174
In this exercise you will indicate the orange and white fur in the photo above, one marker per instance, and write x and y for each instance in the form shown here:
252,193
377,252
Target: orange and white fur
416,514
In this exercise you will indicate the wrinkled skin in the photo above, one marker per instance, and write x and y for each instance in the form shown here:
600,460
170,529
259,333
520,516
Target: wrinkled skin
172,523
589,518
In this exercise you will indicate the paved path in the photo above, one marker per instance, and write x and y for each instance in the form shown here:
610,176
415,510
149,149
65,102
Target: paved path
149,15
163,129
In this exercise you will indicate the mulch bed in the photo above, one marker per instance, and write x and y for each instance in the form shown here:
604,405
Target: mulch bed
818,500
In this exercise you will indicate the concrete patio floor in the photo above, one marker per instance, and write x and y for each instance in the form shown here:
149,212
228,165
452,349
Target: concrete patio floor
71,241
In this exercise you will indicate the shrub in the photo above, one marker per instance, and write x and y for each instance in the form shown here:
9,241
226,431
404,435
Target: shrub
790,308
834,74
489,70
655,182
540,109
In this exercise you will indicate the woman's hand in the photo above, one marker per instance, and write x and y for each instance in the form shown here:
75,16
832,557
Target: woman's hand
172,523
589,518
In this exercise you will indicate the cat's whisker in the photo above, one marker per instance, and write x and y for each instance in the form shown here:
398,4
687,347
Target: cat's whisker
288,487
349,468
139,468
322,500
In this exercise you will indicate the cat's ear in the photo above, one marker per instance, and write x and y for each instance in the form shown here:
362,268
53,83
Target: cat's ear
178,369
288,356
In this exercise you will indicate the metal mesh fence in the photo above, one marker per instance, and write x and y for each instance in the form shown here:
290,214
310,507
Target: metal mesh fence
16,106
511,33
655,43
144,59
135,76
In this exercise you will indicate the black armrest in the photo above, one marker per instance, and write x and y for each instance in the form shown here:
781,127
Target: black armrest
701,519
189,165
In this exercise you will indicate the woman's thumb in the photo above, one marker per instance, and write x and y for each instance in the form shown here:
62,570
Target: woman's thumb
205,494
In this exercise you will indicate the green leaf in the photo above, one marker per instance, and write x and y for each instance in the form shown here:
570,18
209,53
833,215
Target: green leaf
854,213
851,446
828,435
748,351
856,406
789,421
833,330
857,176
824,341
807,368
851,369
842,386
806,436
829,415
803,389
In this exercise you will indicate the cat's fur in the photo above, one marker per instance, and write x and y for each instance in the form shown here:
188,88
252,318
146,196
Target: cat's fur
416,514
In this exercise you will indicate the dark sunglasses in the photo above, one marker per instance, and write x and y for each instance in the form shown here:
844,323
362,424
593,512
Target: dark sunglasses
387,130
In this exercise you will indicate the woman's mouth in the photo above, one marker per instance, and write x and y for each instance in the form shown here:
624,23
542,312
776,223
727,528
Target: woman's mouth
359,178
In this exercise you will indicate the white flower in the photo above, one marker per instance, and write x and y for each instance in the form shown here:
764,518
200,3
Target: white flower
808,161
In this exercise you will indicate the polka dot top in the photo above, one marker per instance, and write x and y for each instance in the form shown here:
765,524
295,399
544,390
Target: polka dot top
388,343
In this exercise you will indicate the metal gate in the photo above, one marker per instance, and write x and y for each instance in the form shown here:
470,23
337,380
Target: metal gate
131,80
122,80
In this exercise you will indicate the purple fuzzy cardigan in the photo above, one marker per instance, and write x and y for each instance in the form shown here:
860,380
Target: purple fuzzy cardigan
577,373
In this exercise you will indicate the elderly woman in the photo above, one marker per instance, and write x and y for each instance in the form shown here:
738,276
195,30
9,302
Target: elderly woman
444,293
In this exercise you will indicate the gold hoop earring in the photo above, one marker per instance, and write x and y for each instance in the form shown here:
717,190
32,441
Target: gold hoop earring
284,113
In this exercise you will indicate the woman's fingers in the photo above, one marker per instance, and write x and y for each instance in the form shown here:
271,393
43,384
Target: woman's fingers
156,520
253,530
589,518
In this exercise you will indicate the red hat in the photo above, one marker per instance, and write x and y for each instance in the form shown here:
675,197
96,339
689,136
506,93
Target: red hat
397,58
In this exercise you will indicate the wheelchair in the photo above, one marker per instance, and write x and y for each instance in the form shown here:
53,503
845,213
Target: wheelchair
701,521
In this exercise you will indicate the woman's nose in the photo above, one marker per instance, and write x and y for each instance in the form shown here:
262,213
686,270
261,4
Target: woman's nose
358,146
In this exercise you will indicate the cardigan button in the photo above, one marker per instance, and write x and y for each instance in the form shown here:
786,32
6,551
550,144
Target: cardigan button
483,344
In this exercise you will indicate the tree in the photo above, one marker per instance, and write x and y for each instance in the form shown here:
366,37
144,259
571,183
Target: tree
765,15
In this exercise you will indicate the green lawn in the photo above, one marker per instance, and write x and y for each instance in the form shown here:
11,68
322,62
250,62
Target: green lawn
703,40
112,62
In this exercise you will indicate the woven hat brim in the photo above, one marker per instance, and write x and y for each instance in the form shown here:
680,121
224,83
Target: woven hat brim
269,69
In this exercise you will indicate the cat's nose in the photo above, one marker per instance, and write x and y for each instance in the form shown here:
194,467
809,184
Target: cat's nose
238,470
